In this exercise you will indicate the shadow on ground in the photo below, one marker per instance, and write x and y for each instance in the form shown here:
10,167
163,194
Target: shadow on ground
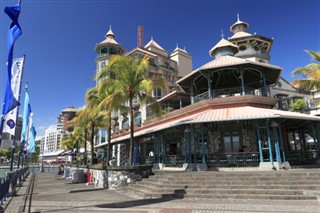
134,203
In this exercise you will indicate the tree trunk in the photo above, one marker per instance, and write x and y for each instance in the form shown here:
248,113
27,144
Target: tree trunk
85,146
109,140
131,129
91,142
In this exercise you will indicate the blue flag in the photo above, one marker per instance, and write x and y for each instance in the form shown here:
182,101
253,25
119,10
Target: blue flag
10,102
25,115
31,142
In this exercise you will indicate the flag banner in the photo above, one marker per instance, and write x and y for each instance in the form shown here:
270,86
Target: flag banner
10,102
32,138
11,117
26,142
25,115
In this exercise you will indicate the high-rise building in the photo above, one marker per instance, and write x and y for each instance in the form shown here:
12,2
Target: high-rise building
66,115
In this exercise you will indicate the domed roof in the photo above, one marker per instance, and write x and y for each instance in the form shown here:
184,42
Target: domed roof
109,38
222,44
243,26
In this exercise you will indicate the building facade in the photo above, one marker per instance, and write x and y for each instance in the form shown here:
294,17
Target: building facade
65,116
233,117
171,67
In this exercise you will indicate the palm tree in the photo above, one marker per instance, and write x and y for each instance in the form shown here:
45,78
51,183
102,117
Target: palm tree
70,141
79,127
129,80
310,74
107,103
94,117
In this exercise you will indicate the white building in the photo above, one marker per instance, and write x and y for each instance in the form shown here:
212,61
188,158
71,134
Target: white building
51,140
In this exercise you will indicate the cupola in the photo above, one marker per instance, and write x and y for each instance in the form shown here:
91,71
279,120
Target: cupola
223,47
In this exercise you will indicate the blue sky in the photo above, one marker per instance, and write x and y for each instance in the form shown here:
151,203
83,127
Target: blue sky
59,37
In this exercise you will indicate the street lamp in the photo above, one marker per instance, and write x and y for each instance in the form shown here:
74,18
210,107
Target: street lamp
43,147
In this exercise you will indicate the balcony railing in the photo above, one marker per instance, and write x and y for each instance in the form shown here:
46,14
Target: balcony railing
221,93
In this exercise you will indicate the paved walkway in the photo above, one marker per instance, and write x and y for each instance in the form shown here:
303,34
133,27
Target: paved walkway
51,193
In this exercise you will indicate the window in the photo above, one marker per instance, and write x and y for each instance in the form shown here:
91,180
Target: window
157,94
242,48
231,141
103,64
152,62
294,140
283,102
137,119
104,50
125,123
103,135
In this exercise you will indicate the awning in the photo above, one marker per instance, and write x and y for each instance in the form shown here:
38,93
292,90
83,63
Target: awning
218,115
54,153
247,113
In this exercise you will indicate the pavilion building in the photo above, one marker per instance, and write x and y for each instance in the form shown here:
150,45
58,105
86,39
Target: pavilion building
226,115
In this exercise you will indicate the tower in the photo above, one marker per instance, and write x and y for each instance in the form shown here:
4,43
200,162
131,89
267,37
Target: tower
106,49
251,46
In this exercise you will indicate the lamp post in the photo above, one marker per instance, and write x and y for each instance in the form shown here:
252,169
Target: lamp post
41,166
44,146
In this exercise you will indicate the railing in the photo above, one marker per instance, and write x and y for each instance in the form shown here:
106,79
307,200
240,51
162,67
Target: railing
237,159
4,189
301,158
174,160
221,93
147,160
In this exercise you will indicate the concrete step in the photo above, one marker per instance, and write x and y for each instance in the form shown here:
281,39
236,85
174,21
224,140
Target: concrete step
250,197
232,182
287,173
230,185
146,193
232,178
243,192
306,186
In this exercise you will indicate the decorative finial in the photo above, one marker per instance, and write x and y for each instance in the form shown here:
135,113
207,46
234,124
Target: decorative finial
222,35
152,38
238,16
184,48
110,27
177,46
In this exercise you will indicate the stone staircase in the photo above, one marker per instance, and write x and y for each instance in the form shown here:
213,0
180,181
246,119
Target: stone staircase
278,185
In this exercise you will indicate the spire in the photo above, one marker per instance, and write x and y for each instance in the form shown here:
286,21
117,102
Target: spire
238,17
110,33
222,35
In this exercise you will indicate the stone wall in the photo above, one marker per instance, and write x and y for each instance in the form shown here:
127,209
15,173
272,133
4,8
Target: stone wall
122,176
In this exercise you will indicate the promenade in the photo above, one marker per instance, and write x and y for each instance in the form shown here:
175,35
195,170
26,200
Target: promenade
48,192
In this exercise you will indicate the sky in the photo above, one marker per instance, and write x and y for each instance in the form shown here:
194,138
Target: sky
59,37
